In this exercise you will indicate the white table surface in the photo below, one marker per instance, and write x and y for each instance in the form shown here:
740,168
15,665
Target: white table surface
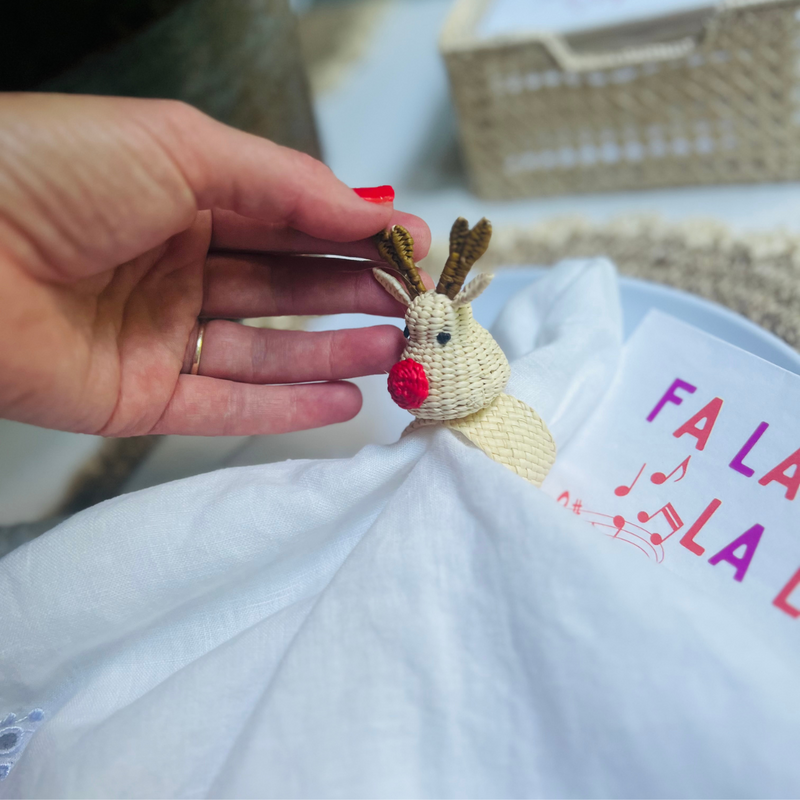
389,121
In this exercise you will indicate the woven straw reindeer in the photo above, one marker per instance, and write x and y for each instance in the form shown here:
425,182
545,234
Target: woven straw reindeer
452,371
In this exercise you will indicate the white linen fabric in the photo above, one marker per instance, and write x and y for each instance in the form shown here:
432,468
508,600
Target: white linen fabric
415,621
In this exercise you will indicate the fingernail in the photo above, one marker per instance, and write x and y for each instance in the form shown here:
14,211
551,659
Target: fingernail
376,194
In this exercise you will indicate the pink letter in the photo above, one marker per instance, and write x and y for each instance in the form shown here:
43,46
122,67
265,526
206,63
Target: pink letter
782,600
738,460
671,397
709,413
749,540
688,538
778,474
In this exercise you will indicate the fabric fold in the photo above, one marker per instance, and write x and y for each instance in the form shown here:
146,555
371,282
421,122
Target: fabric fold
415,621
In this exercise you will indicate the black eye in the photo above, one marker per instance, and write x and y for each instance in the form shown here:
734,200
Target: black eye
443,337
405,332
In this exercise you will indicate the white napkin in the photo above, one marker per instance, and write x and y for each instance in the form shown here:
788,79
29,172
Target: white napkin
563,335
414,621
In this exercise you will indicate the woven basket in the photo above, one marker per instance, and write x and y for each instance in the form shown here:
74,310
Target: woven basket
701,98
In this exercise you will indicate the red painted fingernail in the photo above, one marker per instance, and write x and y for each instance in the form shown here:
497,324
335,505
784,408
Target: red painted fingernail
376,194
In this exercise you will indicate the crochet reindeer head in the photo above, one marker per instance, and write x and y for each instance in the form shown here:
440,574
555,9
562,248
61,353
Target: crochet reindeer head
451,367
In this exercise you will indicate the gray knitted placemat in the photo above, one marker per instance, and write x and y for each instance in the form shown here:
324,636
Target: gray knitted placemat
757,275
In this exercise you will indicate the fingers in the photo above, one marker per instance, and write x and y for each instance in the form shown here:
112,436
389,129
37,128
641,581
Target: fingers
96,181
232,231
240,286
254,355
204,406
265,286
225,398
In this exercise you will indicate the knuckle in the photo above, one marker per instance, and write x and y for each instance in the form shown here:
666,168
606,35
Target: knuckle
309,163
181,113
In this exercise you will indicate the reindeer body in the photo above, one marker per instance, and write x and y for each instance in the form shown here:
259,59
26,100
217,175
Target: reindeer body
452,371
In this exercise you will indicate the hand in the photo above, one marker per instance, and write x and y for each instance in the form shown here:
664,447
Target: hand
124,221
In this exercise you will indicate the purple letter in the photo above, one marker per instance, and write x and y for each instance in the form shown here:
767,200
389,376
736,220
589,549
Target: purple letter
671,397
749,539
738,459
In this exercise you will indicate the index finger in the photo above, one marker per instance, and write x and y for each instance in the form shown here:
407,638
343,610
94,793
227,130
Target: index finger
258,179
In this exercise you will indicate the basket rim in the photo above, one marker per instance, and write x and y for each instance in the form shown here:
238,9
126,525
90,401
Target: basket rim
458,36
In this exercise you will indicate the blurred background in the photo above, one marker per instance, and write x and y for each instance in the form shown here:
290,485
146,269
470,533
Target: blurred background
661,133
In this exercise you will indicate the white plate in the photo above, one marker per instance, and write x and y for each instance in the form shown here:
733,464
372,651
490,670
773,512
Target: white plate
639,296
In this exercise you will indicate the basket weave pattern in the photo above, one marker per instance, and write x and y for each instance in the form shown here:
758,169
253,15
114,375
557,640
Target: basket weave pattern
468,373
539,119
467,377
514,434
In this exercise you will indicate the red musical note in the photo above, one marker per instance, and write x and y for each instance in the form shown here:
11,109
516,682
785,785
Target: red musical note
670,515
565,497
621,491
659,477
623,530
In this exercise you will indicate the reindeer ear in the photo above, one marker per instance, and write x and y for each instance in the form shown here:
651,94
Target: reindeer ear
473,289
393,286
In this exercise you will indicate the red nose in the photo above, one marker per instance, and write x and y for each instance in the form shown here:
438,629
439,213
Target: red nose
408,383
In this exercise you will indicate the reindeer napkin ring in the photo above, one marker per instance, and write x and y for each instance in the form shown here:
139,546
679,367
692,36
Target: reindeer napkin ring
452,371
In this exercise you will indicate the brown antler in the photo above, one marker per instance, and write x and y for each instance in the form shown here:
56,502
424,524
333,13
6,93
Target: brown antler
466,247
397,250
